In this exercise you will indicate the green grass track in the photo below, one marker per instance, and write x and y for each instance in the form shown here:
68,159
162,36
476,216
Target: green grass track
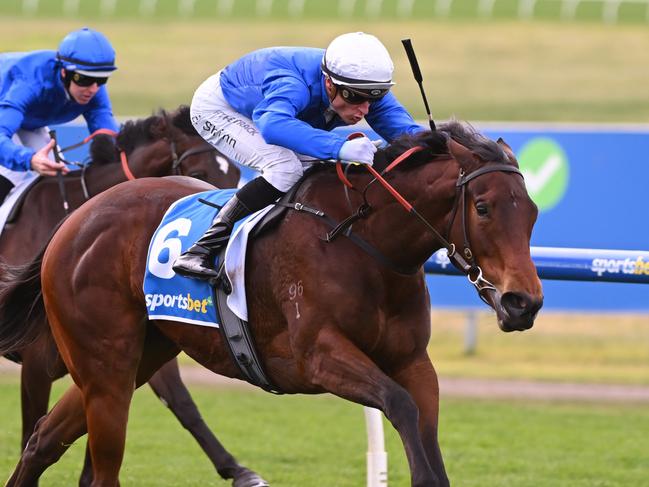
315,441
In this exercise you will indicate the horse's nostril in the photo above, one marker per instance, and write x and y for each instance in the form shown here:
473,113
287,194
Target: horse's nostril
513,301
521,303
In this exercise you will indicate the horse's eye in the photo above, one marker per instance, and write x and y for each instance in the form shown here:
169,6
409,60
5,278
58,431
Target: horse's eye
482,209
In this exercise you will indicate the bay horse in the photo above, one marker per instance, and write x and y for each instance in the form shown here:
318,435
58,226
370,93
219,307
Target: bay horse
326,316
163,144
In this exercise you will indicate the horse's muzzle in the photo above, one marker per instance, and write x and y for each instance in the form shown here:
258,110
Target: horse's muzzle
517,311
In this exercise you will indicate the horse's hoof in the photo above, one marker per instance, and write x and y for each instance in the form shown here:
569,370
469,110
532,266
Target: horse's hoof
249,479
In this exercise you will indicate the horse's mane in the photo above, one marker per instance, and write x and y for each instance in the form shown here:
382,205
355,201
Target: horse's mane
435,145
134,133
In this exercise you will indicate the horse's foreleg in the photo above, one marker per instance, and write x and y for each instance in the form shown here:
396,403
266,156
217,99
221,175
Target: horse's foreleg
52,436
420,380
169,387
337,365
107,431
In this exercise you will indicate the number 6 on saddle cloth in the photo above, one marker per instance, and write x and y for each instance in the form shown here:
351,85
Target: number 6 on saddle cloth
170,296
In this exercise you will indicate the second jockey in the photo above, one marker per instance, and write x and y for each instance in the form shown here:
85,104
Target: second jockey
42,88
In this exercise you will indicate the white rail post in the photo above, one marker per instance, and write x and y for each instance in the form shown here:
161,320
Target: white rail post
224,7
569,9
107,7
186,8
610,11
404,8
147,8
526,9
71,7
486,8
373,8
30,7
346,8
377,457
471,332
443,8
296,8
264,8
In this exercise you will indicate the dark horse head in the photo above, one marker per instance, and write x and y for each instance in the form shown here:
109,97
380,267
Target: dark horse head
171,135
480,209
488,216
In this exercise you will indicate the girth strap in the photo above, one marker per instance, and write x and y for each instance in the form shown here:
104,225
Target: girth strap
239,341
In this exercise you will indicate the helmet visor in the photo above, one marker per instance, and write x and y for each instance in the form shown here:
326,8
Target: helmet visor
356,96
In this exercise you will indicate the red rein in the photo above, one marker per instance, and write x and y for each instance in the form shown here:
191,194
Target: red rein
122,155
386,185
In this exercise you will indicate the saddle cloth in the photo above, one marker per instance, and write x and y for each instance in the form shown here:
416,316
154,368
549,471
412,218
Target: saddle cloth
177,298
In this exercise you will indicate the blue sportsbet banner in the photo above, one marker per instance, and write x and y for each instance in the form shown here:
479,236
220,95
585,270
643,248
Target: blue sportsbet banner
590,184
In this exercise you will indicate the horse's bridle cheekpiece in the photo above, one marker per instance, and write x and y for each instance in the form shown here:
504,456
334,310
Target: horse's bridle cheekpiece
471,269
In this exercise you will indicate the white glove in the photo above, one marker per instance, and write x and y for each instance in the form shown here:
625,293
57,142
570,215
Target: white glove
360,150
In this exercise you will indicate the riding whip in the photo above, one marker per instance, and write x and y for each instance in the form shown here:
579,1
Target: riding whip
407,45
59,174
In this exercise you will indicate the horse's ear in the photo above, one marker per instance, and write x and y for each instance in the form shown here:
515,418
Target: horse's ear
461,154
507,150
159,128
103,150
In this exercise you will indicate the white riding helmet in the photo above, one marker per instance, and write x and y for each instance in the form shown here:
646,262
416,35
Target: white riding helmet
359,61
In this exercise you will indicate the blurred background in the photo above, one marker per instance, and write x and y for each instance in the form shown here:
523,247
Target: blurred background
558,79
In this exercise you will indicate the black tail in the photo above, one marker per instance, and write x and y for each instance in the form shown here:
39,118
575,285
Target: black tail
22,312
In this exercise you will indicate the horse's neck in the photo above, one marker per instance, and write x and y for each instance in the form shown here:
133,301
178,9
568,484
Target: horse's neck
152,160
147,161
400,236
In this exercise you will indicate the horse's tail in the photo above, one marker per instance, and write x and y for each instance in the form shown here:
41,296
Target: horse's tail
22,311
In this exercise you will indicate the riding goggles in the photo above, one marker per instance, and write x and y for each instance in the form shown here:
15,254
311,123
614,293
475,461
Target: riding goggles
356,96
85,81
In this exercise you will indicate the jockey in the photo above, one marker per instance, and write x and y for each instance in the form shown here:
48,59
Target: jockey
40,88
274,109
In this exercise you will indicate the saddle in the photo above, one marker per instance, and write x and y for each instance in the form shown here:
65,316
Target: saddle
15,211
276,215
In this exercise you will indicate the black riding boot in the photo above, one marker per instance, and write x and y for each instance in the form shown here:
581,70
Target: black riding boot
197,261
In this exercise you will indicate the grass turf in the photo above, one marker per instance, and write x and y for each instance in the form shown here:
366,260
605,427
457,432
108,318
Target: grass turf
320,441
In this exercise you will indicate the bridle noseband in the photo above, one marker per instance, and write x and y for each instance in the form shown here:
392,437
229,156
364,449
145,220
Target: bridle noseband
176,161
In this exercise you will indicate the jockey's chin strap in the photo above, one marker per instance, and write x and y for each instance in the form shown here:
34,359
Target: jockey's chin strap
466,262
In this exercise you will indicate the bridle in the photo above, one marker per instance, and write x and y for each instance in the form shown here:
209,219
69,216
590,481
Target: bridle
176,165
176,160
464,261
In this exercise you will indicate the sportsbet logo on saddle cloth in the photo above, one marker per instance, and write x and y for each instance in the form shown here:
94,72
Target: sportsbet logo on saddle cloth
176,298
